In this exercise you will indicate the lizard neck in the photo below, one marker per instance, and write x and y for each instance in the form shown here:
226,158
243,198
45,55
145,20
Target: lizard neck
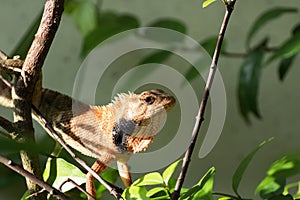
127,135
106,118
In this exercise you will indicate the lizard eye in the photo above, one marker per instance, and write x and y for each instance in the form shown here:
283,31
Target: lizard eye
149,100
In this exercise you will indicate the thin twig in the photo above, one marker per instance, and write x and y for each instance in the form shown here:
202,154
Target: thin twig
200,116
15,167
11,66
77,186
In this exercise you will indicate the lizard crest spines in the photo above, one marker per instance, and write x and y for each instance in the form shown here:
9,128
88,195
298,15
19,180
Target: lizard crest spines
89,128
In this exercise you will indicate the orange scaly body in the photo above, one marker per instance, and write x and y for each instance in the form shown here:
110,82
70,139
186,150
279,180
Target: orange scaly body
110,133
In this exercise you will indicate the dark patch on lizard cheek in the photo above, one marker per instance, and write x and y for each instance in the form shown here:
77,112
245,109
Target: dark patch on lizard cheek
120,132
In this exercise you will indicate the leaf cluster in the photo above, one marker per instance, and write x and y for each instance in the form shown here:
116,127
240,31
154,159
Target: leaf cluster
155,185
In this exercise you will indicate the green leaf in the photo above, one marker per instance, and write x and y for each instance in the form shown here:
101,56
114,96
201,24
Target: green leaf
239,172
286,166
297,195
158,56
270,186
167,174
85,16
109,24
161,36
287,49
290,186
225,198
265,18
24,44
153,178
282,197
171,184
284,67
25,195
110,175
156,190
275,181
59,170
207,3
135,193
70,6
169,24
203,189
248,85
286,63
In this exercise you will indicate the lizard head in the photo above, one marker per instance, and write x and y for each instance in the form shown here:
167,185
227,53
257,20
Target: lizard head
139,117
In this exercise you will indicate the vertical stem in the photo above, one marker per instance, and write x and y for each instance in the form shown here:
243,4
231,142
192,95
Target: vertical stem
200,115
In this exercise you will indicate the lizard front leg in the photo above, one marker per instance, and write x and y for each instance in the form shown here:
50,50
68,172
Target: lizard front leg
124,173
98,167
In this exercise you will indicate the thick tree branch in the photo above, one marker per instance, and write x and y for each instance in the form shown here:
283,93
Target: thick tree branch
23,172
200,116
25,87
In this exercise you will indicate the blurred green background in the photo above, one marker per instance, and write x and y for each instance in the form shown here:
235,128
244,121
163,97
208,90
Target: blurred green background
278,101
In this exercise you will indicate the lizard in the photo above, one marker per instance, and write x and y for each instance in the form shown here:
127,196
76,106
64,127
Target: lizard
110,133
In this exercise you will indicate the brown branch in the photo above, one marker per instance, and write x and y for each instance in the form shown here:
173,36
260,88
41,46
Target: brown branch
25,86
77,186
15,167
200,116
11,66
